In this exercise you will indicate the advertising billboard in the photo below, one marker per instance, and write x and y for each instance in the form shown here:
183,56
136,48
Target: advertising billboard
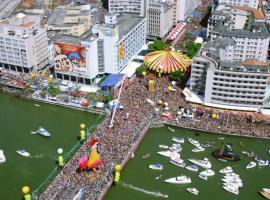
69,58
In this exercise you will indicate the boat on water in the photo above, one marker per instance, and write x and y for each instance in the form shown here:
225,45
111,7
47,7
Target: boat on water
171,129
266,190
23,152
233,183
159,194
176,147
156,166
193,142
178,180
206,145
178,162
158,177
193,168
249,154
37,105
146,155
263,163
42,131
163,146
226,170
205,163
2,156
231,189
208,172
165,153
193,191
203,177
251,165
226,153
178,139
222,160
198,149
265,194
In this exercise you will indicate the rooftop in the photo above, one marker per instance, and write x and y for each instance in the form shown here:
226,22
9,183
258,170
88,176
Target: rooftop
258,14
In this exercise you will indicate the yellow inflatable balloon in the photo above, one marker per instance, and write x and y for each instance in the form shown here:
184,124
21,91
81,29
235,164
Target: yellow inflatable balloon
82,126
33,75
143,73
214,116
26,189
117,168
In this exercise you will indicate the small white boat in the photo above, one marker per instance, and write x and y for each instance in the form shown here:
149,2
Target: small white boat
266,190
208,172
165,153
37,105
23,152
263,162
159,194
226,170
193,142
205,163
158,177
235,184
193,191
2,156
171,129
178,180
178,162
156,166
222,160
176,147
43,132
163,146
251,165
198,149
178,139
203,177
193,168
146,155
231,189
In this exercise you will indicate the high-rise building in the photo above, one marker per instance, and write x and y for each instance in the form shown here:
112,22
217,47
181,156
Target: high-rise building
23,44
7,7
185,8
248,3
159,14
232,70
134,6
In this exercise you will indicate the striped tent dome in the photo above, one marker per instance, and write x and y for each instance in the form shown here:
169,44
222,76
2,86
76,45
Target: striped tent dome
166,61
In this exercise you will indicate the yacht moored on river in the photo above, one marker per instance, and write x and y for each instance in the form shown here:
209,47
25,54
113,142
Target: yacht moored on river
2,156
178,180
205,163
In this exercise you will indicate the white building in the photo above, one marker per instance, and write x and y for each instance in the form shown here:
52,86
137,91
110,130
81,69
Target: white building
23,44
185,8
248,3
72,20
7,7
134,6
119,39
159,14
222,82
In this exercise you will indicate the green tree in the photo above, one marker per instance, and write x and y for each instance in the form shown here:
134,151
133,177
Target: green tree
53,90
140,70
177,76
192,49
158,45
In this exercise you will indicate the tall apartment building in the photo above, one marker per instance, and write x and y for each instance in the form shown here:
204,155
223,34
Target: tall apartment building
7,7
159,14
232,70
120,38
23,44
248,3
134,6
185,8
72,20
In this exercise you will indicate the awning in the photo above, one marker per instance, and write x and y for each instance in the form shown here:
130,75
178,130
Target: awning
112,80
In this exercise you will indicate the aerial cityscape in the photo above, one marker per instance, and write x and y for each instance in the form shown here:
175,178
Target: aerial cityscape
134,99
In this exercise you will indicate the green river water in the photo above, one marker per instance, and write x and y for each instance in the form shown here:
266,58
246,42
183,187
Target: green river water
17,119
138,181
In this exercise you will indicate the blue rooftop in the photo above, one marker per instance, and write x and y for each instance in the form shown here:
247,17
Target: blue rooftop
112,80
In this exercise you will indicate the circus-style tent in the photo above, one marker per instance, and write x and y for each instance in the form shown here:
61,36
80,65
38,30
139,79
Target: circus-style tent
166,61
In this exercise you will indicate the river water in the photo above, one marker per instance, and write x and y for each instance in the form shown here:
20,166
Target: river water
138,181
17,119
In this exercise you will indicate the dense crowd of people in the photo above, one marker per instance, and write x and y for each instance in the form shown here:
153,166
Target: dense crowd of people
115,142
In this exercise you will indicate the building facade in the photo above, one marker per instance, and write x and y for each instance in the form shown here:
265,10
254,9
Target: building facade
119,39
120,6
185,8
159,16
71,20
24,44
247,3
